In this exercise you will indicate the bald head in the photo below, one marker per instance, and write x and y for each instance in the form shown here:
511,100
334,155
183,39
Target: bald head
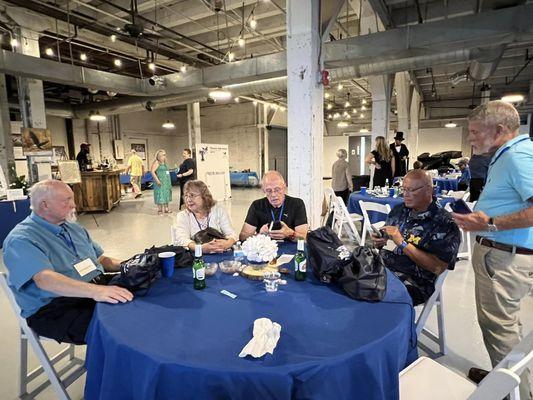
418,190
53,201
274,187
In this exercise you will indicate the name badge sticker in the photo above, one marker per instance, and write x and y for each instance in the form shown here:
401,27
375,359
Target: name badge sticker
85,267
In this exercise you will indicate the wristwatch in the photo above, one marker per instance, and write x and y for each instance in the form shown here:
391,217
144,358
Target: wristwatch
402,245
491,226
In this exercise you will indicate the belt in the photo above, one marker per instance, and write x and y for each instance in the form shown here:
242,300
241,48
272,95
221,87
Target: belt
501,246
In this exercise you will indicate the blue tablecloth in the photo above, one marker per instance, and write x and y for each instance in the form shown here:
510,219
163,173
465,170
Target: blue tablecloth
249,179
178,343
125,179
446,183
353,204
11,215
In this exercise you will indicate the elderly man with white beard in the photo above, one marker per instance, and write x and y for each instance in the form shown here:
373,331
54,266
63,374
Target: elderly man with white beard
55,270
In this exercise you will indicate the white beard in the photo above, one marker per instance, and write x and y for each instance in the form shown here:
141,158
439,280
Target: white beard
72,216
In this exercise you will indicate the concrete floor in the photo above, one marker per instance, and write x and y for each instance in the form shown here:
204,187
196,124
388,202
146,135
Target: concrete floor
134,225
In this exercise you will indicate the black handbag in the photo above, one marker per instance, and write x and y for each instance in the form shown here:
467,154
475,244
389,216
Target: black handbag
365,277
138,273
183,257
207,235
326,254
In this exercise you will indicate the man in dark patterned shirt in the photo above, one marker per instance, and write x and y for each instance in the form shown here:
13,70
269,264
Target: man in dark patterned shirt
426,238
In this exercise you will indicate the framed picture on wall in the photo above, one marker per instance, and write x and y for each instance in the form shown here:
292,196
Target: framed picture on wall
17,140
36,140
140,148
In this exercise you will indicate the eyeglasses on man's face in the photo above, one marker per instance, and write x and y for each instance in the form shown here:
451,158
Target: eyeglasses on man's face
408,190
276,190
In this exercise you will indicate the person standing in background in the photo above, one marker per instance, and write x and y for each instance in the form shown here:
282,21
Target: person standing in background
136,171
186,171
162,187
84,157
464,180
400,153
383,160
479,166
341,182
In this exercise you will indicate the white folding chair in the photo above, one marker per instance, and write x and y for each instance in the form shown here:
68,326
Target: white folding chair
29,338
437,300
466,244
466,196
343,219
427,379
367,206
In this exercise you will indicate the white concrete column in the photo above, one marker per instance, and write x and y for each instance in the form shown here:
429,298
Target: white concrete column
193,125
31,90
403,101
381,87
305,106
6,145
263,112
412,137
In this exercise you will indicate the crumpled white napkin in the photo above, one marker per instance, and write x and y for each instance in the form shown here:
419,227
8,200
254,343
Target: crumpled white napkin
265,338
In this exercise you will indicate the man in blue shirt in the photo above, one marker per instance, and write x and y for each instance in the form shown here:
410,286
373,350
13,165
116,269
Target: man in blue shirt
54,268
464,181
503,218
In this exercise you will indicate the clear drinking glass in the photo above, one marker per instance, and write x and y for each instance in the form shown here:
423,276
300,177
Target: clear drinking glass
271,280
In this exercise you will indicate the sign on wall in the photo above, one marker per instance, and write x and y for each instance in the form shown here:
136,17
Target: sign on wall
212,163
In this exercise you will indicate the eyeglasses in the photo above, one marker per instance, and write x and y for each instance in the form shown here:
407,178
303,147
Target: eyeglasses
277,190
191,195
409,191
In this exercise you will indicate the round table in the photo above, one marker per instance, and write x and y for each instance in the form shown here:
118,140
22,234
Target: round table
179,343
447,183
355,208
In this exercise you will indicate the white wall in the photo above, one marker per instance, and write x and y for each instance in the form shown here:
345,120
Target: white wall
435,140
331,145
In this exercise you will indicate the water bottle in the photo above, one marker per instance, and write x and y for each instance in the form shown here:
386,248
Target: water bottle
238,255
387,184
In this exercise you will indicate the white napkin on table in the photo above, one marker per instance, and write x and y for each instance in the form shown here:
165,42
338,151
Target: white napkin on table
265,338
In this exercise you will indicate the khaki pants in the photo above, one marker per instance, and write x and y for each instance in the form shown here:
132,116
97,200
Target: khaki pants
136,183
502,279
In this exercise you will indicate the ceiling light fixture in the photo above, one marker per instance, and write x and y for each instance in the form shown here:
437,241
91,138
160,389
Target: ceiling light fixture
254,103
330,116
231,56
450,125
83,57
354,111
117,62
220,94
347,104
326,95
363,101
336,116
253,22
363,108
513,98
96,116
237,99
363,130
329,106
339,86
241,42
168,125
14,42
361,116
282,108
151,66
113,38
49,52
342,124
183,68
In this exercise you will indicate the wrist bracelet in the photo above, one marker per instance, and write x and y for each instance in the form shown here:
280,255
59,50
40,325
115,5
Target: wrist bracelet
403,245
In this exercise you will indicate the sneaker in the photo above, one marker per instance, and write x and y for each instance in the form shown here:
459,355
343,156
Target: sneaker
476,375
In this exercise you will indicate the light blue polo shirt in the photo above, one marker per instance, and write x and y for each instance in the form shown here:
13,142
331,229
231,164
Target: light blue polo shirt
35,245
507,190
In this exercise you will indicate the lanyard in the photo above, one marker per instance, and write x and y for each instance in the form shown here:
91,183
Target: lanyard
65,235
280,213
198,222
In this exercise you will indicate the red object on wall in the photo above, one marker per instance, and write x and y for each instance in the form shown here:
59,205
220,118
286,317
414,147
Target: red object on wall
325,77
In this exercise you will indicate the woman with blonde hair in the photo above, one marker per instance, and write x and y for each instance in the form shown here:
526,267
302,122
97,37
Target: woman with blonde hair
203,221
162,184
383,159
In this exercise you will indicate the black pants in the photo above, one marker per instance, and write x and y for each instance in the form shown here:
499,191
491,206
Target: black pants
463,186
182,184
65,319
344,194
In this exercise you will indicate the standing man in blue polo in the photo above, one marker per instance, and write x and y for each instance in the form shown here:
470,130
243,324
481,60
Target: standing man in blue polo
54,268
503,219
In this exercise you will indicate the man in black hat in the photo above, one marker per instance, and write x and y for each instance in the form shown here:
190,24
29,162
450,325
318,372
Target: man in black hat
400,152
84,157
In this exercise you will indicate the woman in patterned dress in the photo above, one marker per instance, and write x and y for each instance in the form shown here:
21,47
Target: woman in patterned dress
162,184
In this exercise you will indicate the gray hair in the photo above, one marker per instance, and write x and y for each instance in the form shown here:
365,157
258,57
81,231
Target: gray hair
270,175
341,153
41,191
495,113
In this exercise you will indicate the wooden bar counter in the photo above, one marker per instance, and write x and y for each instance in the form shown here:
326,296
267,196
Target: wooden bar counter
98,190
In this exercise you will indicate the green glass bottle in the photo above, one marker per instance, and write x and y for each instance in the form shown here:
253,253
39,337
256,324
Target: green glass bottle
300,263
198,268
